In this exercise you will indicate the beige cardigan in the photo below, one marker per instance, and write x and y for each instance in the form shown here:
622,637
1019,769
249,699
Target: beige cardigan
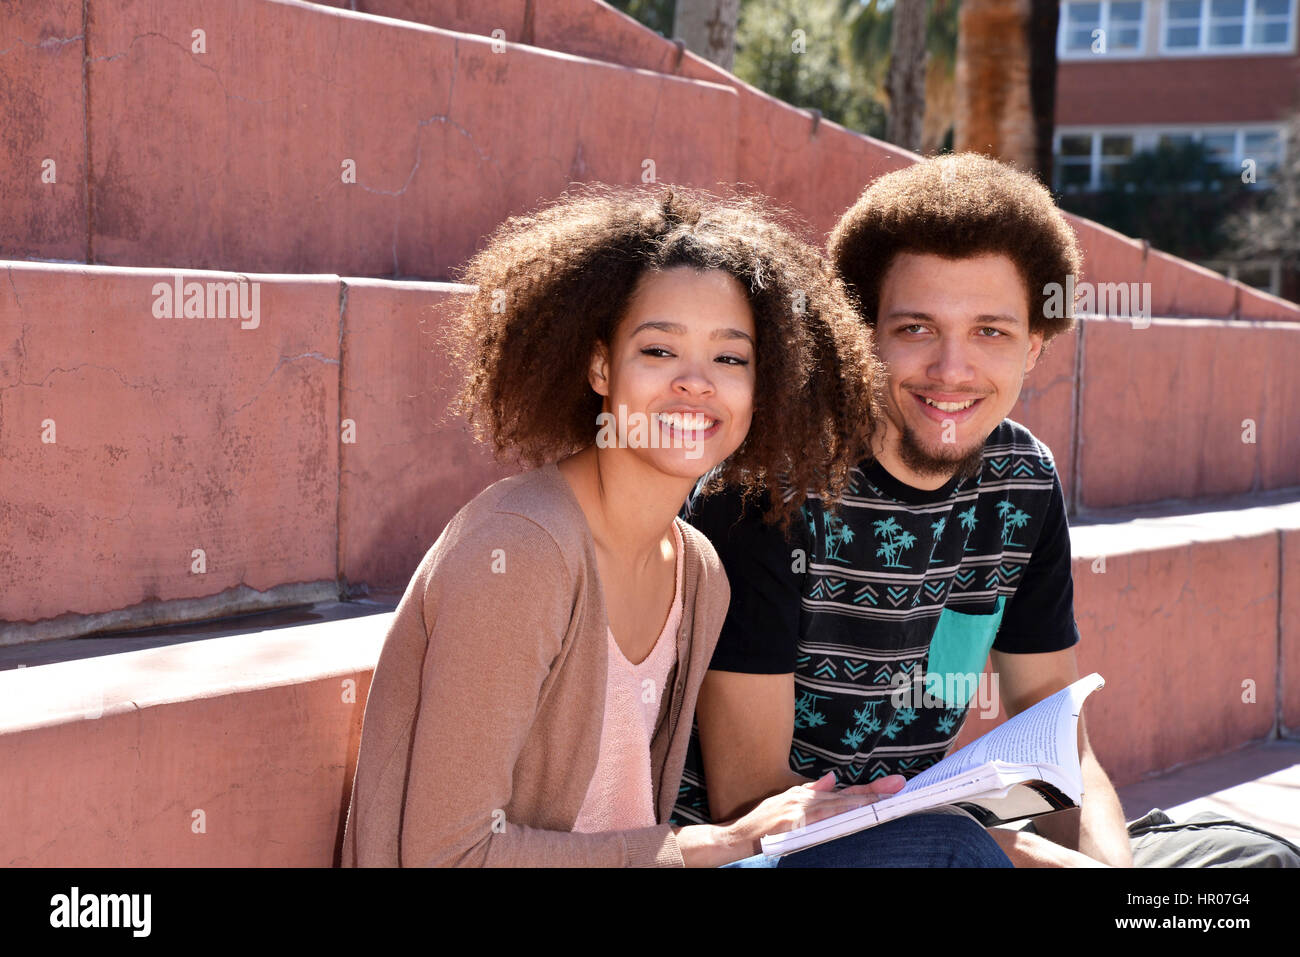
482,726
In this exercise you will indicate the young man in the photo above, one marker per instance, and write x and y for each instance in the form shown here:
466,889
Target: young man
952,544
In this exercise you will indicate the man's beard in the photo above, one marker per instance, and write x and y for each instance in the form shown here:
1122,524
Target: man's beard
916,458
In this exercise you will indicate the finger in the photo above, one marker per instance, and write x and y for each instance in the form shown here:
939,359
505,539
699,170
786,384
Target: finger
862,795
824,783
844,802
888,785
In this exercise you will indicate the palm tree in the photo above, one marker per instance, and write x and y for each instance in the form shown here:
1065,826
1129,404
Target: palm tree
1006,80
905,83
709,28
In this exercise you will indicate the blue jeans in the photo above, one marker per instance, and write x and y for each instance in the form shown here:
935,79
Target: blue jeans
919,840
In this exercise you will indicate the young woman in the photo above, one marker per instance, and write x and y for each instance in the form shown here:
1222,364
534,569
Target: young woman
533,700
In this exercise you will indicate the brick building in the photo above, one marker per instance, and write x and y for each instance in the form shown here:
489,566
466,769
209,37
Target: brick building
1137,73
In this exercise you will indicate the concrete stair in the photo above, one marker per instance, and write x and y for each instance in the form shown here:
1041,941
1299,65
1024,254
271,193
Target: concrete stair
168,726
238,157
158,469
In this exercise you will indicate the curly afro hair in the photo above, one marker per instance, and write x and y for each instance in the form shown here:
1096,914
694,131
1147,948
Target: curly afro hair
553,283
957,206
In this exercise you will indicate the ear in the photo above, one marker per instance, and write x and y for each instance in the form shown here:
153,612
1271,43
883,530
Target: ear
598,371
1035,349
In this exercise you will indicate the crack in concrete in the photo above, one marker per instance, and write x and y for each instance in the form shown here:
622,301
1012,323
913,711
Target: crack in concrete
339,571
189,51
85,365
283,359
1041,388
18,299
654,115
48,43
1279,729
87,154
455,72
444,118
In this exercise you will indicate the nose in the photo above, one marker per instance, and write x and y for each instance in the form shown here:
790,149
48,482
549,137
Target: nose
693,379
951,363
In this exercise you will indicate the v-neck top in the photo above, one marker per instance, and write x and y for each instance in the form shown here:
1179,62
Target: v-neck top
483,721
621,794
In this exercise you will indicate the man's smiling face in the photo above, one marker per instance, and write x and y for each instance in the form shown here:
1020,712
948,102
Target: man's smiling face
954,336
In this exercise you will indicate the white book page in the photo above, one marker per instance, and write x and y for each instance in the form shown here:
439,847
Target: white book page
1041,734
1044,734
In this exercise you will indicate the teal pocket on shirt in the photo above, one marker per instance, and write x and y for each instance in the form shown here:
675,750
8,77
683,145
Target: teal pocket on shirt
958,650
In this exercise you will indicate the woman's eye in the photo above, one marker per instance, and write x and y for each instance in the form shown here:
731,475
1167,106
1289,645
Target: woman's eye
733,360
657,351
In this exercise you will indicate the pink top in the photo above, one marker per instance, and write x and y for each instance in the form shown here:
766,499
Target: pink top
620,795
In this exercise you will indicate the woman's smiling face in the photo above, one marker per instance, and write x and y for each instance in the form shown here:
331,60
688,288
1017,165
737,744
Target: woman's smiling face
678,378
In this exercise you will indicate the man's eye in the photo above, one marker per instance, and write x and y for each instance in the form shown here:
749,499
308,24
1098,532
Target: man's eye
996,332
914,327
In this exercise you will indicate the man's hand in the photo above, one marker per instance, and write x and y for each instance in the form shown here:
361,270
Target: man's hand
1096,828
1031,850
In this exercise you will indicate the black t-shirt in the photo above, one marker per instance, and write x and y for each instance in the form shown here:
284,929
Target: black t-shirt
903,593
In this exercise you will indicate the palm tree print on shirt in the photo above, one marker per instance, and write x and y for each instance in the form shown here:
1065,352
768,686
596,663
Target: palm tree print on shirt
867,723
1012,518
837,534
968,521
937,528
805,714
949,720
902,718
897,540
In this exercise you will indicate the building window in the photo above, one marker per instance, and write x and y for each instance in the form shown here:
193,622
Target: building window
1086,160
1262,274
1115,149
1104,26
1226,26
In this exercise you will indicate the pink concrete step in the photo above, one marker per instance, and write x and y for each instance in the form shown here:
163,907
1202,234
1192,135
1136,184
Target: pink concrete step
234,751
169,469
161,469
259,137
1185,409
238,750
783,149
239,156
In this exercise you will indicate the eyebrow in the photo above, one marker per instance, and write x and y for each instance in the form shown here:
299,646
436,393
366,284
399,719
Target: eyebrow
983,318
676,328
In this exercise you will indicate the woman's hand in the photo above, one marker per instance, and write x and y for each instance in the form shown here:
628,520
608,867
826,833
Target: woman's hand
805,804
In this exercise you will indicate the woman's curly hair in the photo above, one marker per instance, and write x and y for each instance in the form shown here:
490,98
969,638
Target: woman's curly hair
552,283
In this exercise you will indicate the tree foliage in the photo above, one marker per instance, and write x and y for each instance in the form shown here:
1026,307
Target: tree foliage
1270,226
799,51
837,65
1176,197
656,14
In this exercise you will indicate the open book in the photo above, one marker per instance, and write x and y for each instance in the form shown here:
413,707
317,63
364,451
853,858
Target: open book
1028,765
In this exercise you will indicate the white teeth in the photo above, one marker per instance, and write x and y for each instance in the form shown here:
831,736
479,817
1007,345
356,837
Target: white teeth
950,406
687,422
